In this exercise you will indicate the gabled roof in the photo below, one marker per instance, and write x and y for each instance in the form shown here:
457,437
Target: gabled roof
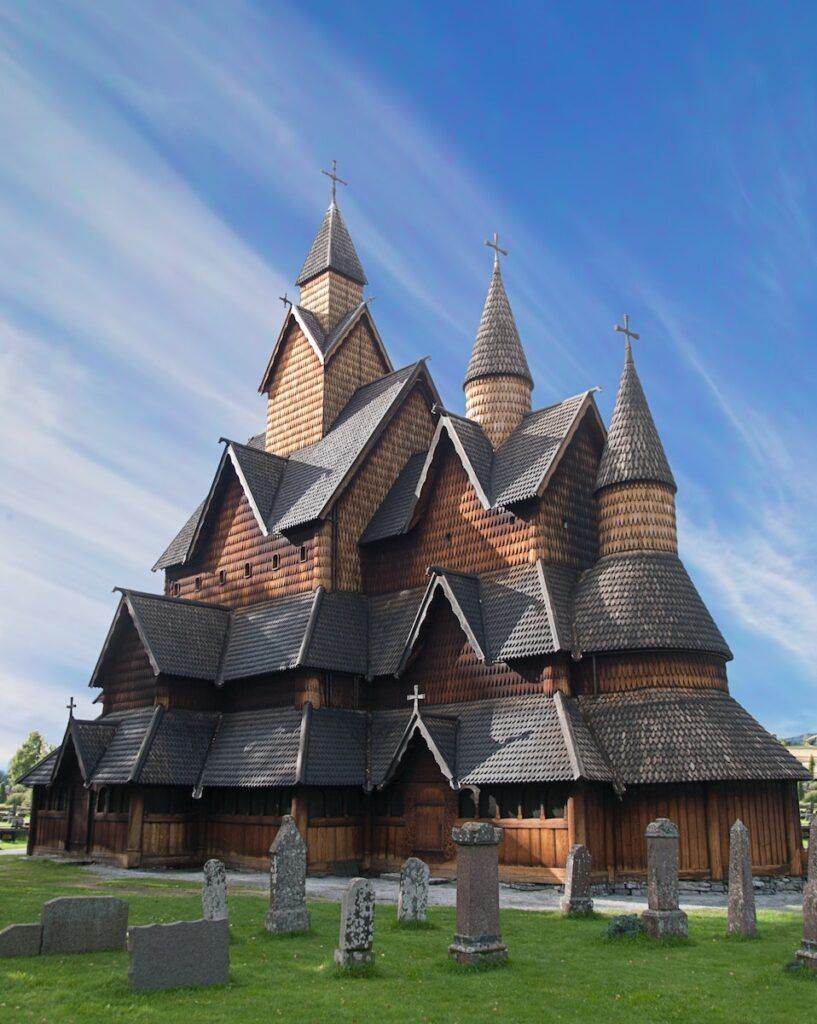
643,600
180,637
288,493
332,249
518,471
685,735
633,450
124,754
324,344
462,593
497,349
41,773
440,736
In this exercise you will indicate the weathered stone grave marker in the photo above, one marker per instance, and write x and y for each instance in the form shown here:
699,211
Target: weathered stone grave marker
287,897
356,925
21,940
742,919
807,953
663,919
83,924
577,900
412,898
477,939
812,849
214,891
183,954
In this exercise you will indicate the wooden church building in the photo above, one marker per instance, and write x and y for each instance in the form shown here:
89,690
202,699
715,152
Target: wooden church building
385,617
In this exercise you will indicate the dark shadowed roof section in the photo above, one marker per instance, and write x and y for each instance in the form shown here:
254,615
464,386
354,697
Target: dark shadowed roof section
332,249
498,348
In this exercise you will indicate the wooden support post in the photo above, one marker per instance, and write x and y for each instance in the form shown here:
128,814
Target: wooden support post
136,818
713,831
577,816
611,804
794,833
36,799
299,812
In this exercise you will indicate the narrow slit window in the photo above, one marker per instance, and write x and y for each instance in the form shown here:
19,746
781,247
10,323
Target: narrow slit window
302,553
247,570
198,583
276,561
222,576
177,589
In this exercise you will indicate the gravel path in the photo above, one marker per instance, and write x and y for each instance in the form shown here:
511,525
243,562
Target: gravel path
444,894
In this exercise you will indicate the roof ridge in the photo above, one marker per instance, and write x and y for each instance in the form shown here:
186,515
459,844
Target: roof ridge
568,735
147,743
171,599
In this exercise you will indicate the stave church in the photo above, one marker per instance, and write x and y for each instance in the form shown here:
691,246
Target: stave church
386,617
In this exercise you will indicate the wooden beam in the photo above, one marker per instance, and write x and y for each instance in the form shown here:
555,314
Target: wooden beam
794,836
713,831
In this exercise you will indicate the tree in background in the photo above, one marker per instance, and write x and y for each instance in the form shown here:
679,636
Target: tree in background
4,785
33,749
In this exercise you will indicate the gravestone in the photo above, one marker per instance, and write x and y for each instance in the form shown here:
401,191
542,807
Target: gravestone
477,939
663,919
287,884
807,953
84,924
812,849
183,954
214,892
577,900
21,940
356,924
412,898
742,919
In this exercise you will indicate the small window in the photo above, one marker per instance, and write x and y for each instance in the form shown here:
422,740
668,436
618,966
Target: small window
102,801
447,538
222,577
247,570
488,807
276,561
334,803
177,589
302,553
198,583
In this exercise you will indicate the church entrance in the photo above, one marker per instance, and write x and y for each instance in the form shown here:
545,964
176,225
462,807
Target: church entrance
79,818
429,821
430,805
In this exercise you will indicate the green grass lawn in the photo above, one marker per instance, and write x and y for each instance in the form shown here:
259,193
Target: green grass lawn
560,970
14,843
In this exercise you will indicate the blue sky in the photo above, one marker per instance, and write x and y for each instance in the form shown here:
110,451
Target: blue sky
160,185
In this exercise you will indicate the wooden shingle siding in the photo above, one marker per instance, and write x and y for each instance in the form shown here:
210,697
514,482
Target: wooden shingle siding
328,296
356,362
282,689
295,396
127,676
410,431
634,671
233,539
498,405
637,517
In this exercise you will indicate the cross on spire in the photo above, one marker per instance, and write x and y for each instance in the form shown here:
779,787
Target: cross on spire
285,299
626,328
416,697
494,244
333,174
70,707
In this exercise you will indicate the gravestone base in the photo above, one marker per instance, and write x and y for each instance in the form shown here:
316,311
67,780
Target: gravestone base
354,957
576,906
665,924
807,954
287,922
487,949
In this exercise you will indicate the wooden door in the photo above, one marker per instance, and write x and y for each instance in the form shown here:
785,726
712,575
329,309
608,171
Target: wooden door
79,818
429,821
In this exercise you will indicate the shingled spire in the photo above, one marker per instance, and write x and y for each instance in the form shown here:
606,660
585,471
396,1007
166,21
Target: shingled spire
635,487
498,383
332,278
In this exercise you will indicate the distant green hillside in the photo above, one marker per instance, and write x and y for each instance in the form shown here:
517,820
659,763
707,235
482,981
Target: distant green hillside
806,739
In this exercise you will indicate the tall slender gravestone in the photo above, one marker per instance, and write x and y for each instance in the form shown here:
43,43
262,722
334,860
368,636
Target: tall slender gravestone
812,849
577,900
214,891
356,924
807,953
412,898
287,881
477,939
663,919
742,919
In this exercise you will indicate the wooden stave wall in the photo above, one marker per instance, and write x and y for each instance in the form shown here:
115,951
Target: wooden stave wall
128,680
295,395
615,673
357,361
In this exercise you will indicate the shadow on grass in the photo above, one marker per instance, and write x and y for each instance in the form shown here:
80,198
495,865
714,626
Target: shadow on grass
355,971
796,969
454,967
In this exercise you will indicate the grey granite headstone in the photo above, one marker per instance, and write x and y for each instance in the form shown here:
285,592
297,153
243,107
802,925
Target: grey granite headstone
807,953
412,898
84,924
356,924
742,919
183,954
21,940
577,900
287,883
663,919
214,891
477,939
812,849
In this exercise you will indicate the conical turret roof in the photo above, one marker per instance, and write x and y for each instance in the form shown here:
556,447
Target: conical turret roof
498,349
332,249
633,450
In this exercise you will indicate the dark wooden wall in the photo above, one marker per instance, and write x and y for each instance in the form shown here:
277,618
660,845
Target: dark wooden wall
126,674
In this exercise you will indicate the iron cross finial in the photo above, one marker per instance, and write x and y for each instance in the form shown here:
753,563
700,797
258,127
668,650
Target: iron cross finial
70,707
285,299
416,697
494,244
626,328
333,174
